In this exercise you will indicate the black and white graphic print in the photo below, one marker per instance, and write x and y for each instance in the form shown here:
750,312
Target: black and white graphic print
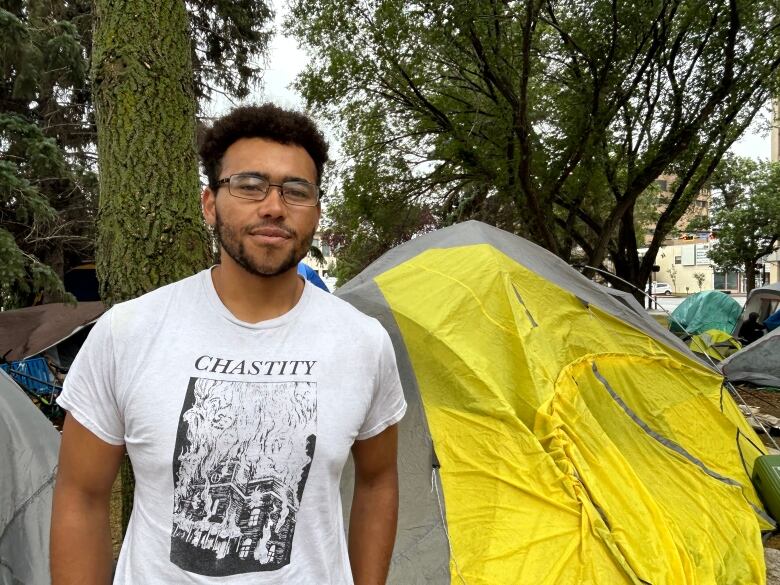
242,457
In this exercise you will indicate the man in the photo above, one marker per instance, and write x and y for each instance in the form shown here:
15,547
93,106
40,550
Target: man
751,330
238,394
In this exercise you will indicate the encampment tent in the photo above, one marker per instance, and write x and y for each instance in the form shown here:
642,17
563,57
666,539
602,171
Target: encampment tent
555,434
28,461
757,363
764,300
714,343
705,310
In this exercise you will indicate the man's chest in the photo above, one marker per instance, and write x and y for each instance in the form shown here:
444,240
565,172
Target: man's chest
264,403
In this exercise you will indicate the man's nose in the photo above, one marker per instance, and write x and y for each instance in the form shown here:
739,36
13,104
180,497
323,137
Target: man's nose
273,204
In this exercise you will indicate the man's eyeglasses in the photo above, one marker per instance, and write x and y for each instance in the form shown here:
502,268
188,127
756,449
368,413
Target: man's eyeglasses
256,188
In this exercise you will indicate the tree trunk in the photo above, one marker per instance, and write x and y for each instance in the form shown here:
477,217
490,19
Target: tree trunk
150,230
750,275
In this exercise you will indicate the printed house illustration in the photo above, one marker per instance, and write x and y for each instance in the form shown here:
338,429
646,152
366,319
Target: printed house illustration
247,524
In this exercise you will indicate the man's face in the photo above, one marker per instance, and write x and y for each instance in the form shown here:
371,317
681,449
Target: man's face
268,237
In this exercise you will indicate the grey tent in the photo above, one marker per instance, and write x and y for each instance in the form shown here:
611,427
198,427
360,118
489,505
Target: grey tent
757,363
28,463
493,336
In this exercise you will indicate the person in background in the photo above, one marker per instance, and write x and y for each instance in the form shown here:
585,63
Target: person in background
751,330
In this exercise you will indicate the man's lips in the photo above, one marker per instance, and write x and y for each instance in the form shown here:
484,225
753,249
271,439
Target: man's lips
270,232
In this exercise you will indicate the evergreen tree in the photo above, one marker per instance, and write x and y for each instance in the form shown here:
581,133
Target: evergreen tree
47,180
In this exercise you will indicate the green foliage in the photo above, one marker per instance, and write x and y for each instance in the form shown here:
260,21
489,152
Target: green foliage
45,172
551,120
700,278
745,214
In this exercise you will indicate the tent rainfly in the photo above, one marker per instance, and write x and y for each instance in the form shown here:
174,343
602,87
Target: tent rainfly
555,434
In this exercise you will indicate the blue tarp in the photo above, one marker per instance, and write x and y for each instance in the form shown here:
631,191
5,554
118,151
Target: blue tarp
33,374
311,275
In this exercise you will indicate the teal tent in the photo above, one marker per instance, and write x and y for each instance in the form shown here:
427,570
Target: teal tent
706,310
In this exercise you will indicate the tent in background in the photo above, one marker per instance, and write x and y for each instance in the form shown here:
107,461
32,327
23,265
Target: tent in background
757,363
28,461
764,300
556,434
714,343
706,310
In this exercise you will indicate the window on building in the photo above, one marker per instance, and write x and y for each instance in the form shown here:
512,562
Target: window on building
246,547
678,259
726,280
254,517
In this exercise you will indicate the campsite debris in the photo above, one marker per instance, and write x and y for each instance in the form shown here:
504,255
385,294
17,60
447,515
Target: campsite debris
767,421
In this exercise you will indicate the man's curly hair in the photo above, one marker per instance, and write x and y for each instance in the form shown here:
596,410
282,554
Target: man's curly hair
266,121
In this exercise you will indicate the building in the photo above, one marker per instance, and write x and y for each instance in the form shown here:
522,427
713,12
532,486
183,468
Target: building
322,268
700,207
685,264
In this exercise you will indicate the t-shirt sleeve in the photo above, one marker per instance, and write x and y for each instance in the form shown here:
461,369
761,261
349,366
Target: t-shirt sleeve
388,404
89,391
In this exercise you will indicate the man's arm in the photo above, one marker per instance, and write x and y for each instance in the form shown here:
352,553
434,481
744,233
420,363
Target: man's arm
80,532
372,522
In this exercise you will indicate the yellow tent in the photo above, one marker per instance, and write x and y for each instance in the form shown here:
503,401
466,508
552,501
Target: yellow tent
556,434
715,343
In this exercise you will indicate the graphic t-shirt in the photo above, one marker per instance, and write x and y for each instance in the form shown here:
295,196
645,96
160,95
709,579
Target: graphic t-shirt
237,432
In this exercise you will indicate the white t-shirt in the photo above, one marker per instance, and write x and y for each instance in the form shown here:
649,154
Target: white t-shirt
237,432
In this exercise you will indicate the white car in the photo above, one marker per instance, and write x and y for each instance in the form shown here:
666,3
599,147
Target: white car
661,288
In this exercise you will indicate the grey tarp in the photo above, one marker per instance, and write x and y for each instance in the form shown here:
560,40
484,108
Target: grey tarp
758,363
28,462
32,330
420,529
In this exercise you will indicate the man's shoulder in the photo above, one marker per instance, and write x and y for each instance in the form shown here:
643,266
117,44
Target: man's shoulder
345,316
153,306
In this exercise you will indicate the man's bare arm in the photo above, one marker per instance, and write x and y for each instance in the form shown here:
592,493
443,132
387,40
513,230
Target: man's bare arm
80,532
374,516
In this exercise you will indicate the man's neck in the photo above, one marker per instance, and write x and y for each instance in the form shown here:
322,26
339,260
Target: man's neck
252,298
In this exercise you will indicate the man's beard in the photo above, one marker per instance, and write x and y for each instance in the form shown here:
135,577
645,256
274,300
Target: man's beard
231,243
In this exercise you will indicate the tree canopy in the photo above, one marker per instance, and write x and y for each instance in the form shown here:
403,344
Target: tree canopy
745,214
548,119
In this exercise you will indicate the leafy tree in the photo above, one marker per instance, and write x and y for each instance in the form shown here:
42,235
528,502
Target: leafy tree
673,277
700,278
548,119
745,214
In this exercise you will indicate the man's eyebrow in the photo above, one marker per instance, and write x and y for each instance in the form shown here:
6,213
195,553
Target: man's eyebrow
265,176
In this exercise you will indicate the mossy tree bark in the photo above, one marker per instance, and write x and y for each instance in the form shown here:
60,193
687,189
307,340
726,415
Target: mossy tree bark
150,230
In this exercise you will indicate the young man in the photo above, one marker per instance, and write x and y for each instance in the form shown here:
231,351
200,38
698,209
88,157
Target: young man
238,394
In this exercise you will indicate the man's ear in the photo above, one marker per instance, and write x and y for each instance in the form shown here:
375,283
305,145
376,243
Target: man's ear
208,204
